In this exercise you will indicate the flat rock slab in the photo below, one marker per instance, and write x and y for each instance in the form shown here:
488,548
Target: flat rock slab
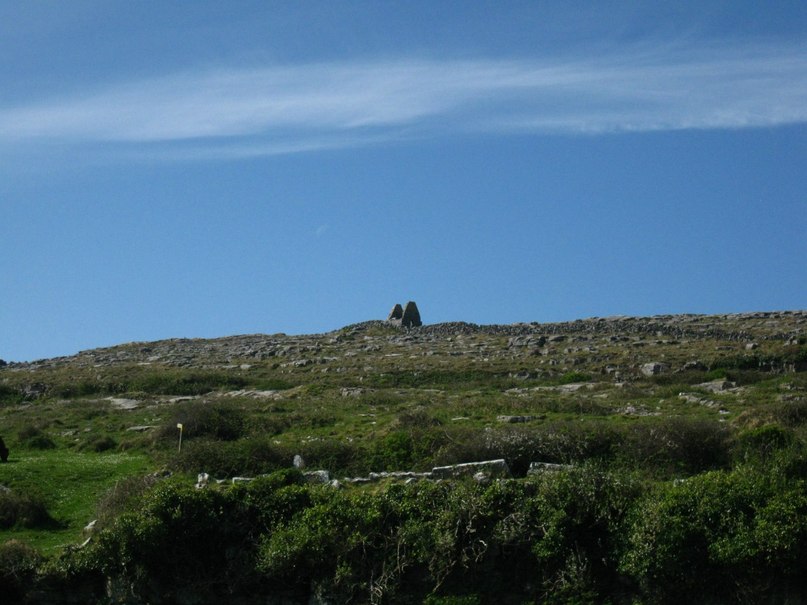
493,468
124,404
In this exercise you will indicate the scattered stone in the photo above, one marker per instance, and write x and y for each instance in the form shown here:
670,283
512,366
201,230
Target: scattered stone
202,479
653,368
696,398
716,386
34,391
694,365
140,428
235,480
351,392
633,410
514,419
298,461
123,404
537,468
254,394
482,478
494,468
318,477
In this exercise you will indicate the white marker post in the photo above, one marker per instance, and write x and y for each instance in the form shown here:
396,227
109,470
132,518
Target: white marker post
179,426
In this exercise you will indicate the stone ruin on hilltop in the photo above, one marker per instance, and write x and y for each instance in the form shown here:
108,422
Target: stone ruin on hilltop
407,317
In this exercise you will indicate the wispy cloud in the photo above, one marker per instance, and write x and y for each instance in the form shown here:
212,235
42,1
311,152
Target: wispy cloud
289,109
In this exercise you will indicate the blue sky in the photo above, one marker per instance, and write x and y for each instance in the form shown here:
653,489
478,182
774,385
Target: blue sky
200,169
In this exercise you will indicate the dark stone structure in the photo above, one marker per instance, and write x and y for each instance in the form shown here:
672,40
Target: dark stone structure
3,451
407,317
396,313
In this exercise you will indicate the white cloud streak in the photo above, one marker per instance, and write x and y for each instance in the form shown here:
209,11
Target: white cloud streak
292,109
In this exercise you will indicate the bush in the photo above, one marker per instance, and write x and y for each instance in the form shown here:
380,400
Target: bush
10,396
720,537
180,542
676,445
23,510
101,443
791,413
179,382
122,497
759,444
405,450
572,377
560,442
221,421
34,438
18,567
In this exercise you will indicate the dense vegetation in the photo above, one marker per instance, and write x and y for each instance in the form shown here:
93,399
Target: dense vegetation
685,484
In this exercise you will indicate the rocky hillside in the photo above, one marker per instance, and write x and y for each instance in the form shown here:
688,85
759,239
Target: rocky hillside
508,463
607,344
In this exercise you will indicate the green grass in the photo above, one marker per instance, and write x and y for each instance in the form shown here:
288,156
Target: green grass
70,484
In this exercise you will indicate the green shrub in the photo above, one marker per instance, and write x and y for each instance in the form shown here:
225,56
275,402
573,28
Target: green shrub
100,443
719,537
10,395
334,455
759,444
417,418
559,442
716,374
791,413
676,445
181,544
222,421
124,496
251,456
18,568
572,377
20,509
412,449
34,438
184,382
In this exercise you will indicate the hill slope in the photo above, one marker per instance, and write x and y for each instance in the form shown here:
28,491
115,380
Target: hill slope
647,401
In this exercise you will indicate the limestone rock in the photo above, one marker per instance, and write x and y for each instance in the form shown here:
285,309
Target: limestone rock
653,368
537,468
321,476
493,468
